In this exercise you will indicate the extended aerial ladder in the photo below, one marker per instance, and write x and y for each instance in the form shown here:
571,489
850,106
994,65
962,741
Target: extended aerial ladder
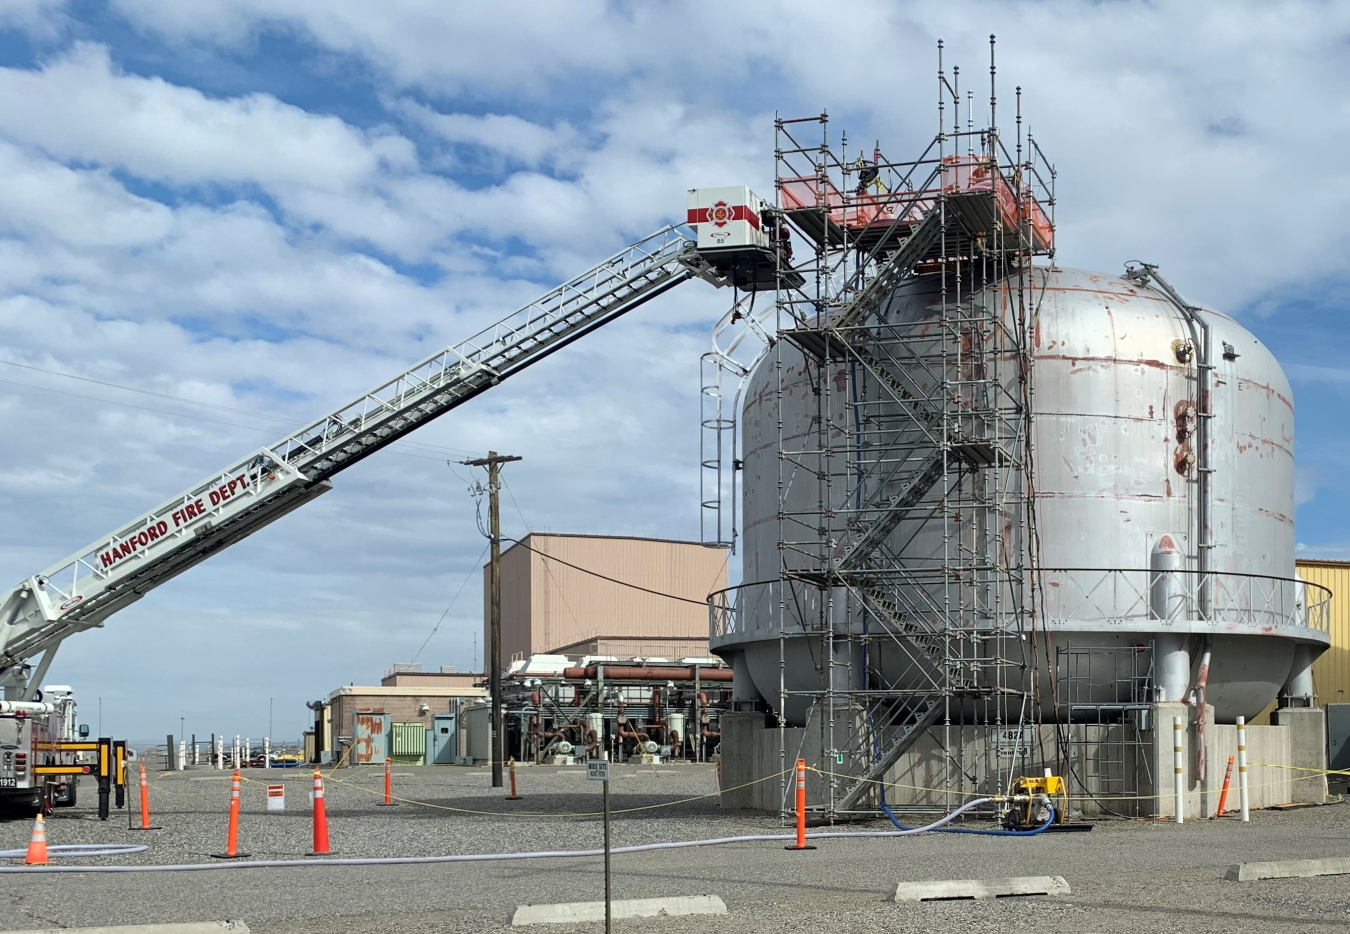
116,570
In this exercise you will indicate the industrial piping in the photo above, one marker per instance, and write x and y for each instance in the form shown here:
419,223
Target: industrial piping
1202,339
633,673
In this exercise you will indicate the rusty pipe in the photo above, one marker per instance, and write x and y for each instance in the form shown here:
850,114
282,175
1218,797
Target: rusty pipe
1201,683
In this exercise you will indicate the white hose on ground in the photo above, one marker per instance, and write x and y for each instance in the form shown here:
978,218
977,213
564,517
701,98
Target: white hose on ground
81,849
496,857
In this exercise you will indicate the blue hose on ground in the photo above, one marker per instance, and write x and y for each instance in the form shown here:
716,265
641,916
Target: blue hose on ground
979,833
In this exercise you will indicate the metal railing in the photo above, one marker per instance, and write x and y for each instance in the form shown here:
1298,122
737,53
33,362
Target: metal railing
1119,597
1257,602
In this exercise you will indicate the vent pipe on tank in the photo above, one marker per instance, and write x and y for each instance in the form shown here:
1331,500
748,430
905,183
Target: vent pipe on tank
1203,340
1167,602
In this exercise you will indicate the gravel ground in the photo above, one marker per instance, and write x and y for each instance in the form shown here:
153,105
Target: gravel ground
1126,876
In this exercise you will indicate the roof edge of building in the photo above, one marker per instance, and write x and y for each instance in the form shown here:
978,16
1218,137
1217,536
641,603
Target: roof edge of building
409,690
623,538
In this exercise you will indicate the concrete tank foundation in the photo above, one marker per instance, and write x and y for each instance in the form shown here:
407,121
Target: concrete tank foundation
1117,770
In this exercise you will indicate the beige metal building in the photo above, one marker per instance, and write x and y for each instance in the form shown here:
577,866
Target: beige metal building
556,598
1331,672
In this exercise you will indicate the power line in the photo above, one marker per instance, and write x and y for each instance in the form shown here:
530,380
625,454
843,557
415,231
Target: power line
612,580
197,418
476,565
581,631
146,392
575,567
209,405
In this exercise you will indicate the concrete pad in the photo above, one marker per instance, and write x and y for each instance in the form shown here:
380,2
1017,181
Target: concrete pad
1288,869
191,927
979,888
570,913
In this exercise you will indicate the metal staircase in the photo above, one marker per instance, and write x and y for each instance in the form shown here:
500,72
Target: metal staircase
905,577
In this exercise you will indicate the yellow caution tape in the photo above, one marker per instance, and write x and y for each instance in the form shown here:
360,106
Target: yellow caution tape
539,814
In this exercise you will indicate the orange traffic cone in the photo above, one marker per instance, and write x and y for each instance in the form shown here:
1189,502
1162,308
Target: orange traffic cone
388,787
37,845
145,804
232,838
320,819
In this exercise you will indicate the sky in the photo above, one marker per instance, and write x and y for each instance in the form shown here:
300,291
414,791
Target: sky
220,219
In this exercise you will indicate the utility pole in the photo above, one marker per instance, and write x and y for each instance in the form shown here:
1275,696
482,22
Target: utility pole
493,464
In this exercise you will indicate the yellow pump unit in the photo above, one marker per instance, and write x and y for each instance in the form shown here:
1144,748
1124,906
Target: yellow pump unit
1034,800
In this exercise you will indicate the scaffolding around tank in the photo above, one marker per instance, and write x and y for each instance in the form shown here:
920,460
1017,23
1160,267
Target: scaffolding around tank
902,612
896,648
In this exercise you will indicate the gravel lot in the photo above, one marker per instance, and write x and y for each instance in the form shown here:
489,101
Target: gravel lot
1126,876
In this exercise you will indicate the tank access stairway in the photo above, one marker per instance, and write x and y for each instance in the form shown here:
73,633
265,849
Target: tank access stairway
118,569
836,340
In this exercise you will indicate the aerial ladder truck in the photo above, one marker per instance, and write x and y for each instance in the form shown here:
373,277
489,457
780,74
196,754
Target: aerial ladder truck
114,571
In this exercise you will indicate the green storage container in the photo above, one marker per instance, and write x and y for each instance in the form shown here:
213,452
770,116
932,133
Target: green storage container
408,743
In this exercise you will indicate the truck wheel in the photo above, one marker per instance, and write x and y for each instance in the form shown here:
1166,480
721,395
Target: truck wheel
66,800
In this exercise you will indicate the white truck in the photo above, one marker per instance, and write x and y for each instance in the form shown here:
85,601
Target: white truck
32,736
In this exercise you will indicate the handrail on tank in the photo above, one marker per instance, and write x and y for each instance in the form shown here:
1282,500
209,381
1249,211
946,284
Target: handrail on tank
1121,595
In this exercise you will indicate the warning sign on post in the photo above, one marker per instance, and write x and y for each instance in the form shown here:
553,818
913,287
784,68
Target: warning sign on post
276,797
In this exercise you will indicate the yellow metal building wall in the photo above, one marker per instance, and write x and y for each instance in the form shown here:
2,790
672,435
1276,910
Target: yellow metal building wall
1331,672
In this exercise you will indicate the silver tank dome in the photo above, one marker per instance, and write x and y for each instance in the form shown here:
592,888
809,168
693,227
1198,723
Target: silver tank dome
1114,495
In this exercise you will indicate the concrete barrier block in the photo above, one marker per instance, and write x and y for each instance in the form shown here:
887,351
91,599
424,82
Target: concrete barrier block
573,912
1288,869
979,888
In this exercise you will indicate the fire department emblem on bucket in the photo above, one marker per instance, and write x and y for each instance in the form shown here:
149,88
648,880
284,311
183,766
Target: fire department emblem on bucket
719,214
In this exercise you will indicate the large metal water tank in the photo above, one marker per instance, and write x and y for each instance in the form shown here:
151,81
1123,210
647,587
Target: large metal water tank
1115,495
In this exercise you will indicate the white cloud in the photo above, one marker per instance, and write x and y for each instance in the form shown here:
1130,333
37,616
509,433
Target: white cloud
45,199
40,18
363,185
78,106
1176,126
510,141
